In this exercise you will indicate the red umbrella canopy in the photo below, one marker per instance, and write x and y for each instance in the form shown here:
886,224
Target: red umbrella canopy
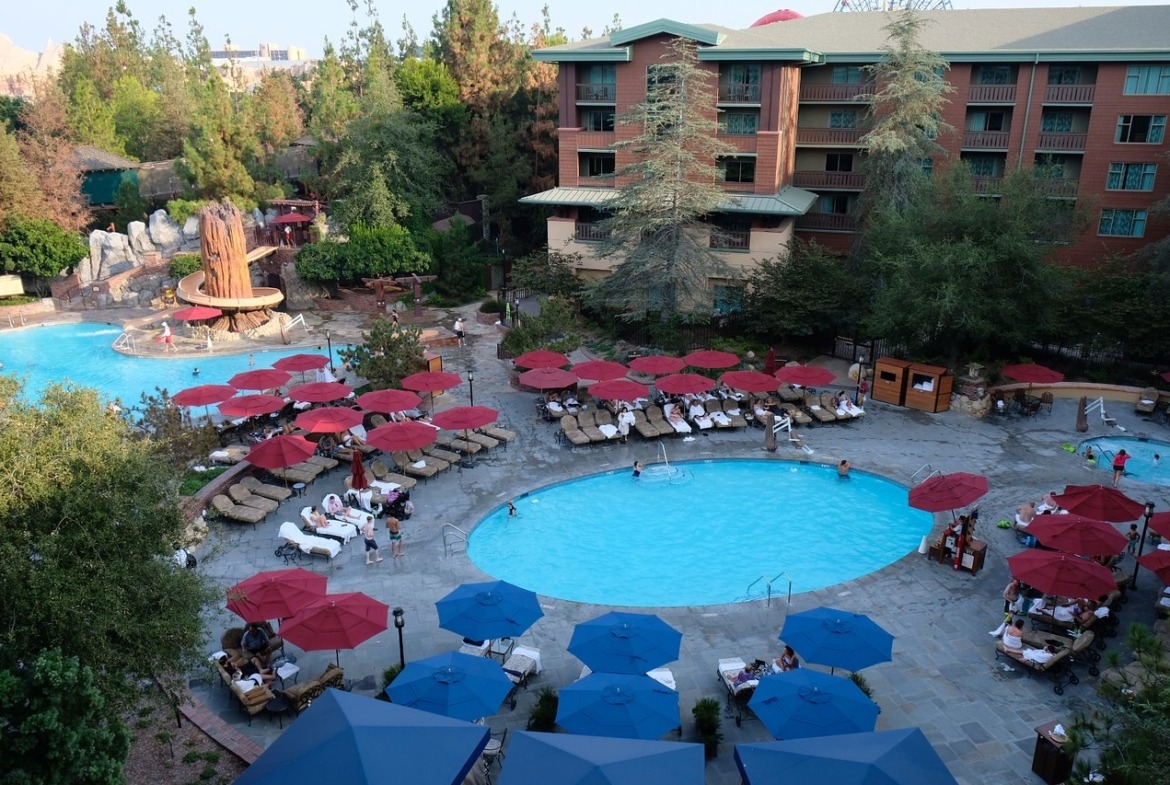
389,401
292,218
1061,574
601,370
684,383
277,594
1100,502
203,395
462,418
1160,522
619,390
1077,534
805,375
319,392
541,358
1157,562
280,451
196,313
357,472
251,405
711,359
331,420
1032,373
657,364
431,381
1166,376
259,379
948,492
336,621
301,362
399,436
770,361
548,378
750,381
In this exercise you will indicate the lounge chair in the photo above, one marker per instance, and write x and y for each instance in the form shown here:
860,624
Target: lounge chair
384,476
341,531
300,695
443,455
680,425
458,444
812,404
499,433
654,416
326,464
587,425
718,417
293,475
734,414
308,543
796,414
241,495
572,432
360,432
845,412
226,508
418,455
482,439
421,468
1081,647
645,428
789,394
604,422
267,490
1147,401
230,455
252,698
1057,669
739,689
519,667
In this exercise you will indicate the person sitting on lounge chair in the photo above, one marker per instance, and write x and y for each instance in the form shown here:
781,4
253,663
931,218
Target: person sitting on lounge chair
1013,637
699,416
788,661
1025,514
675,418
1039,656
317,518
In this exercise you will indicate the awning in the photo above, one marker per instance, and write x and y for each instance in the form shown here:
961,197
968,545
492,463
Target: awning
789,201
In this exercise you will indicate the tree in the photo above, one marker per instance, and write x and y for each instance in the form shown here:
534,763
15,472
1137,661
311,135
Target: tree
92,118
46,145
216,147
555,328
20,193
137,113
370,251
275,115
38,248
386,354
460,262
547,272
177,442
655,231
807,291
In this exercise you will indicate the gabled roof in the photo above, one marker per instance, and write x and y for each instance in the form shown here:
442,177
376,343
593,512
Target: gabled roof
94,159
789,201
702,35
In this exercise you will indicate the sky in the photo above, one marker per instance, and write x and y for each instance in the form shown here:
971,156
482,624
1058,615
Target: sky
307,24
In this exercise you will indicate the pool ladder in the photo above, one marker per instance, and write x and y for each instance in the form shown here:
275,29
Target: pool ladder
126,341
454,540
923,474
783,574
12,323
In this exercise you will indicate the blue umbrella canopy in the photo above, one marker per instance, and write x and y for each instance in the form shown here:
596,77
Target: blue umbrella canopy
482,611
803,703
618,705
889,757
452,684
839,639
619,642
563,759
348,739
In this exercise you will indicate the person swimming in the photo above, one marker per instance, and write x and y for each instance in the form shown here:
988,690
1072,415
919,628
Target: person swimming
638,467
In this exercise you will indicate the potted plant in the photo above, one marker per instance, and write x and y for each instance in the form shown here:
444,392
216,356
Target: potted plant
388,676
862,684
708,717
543,716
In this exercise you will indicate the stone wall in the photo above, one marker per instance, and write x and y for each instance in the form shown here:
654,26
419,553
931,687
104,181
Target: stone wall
971,396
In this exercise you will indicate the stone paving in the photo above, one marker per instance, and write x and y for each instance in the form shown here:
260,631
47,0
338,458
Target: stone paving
943,678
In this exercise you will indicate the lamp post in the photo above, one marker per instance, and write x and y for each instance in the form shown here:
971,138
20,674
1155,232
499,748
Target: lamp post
471,386
1141,543
860,377
399,623
329,342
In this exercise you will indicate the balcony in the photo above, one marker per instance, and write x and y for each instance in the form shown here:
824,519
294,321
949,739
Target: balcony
1058,140
829,222
828,136
1059,189
731,240
595,181
987,185
844,180
589,233
597,93
986,140
991,94
1069,94
834,92
739,93
595,140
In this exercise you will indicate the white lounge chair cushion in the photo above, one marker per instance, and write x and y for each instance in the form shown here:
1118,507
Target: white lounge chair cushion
307,543
609,431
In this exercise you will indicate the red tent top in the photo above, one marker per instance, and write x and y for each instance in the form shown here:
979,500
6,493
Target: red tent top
541,358
782,15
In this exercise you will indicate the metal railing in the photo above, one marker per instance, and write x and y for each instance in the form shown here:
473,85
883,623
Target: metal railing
834,92
985,140
739,93
820,179
11,323
1069,93
992,93
126,341
454,540
768,584
606,93
1061,140
929,472
828,136
589,233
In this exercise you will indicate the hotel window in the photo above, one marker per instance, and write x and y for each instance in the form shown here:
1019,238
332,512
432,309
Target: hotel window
1141,128
928,166
1064,74
597,165
847,74
1122,223
728,299
1056,122
602,74
740,123
984,165
597,120
994,74
737,170
987,121
839,162
833,204
1147,80
1131,177
846,118
740,83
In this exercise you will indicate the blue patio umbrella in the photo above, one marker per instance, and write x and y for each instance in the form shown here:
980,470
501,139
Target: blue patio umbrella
619,705
804,703
839,639
349,739
452,684
563,759
619,642
888,757
482,611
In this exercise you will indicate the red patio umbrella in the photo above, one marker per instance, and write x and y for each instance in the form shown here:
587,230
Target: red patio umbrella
280,451
600,370
1062,574
292,218
657,364
251,405
541,358
1160,523
805,375
336,621
1100,502
203,395
684,384
1077,534
548,378
464,418
948,492
301,362
1157,562
711,359
1032,373
750,381
402,436
276,594
387,401
260,379
1166,376
357,472
619,390
431,381
330,420
319,392
196,313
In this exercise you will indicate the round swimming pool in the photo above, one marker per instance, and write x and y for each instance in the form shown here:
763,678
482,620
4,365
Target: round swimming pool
1142,466
706,533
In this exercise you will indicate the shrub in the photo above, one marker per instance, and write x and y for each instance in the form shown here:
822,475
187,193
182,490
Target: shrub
185,263
491,306
543,716
708,718
862,684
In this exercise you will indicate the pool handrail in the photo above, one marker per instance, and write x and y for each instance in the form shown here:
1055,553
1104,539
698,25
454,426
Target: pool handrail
782,574
453,536
929,473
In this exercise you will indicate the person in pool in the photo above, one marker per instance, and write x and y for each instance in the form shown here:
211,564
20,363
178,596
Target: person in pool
843,469
638,467
1119,461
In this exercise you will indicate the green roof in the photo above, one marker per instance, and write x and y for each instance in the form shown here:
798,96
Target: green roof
789,201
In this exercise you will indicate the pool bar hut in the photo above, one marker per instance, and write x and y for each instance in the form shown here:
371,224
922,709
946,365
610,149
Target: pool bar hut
913,385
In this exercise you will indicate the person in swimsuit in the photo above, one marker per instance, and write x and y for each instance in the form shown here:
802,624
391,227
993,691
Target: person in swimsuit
396,543
788,661
1119,466
638,467
371,543
511,510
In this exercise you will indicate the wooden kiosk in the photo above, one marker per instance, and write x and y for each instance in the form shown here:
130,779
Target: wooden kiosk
928,388
889,380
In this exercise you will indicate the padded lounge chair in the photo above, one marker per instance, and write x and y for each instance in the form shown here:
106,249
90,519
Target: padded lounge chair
644,427
458,444
499,434
326,464
443,455
679,426
424,469
734,413
482,439
226,508
715,412
1058,669
309,543
336,530
604,422
293,474
1147,401
267,490
846,413
812,404
589,427
789,394
383,474
519,667
418,455
738,692
572,432
241,495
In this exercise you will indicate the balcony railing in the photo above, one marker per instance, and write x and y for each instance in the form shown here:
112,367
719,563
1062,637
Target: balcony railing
834,92
847,136
589,233
813,179
731,239
987,185
985,140
739,93
595,181
1059,140
1069,94
992,94
600,93
1059,188
839,222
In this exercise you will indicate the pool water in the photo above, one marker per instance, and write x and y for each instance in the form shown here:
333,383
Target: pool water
1141,466
700,537
81,353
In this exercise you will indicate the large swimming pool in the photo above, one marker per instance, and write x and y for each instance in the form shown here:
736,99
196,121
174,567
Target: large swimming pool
81,353
1141,466
700,537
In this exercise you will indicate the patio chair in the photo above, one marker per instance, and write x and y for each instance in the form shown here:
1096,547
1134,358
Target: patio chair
423,469
789,394
519,667
731,672
341,531
267,490
499,433
326,464
458,444
418,455
718,417
734,413
604,422
482,439
651,429
309,543
226,508
812,405
383,475
1058,669
587,425
493,753
443,455
1147,401
1046,401
241,495
571,432
796,414
294,475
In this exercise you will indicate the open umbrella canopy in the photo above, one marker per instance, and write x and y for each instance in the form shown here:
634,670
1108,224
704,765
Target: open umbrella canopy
452,684
401,436
805,375
333,419
711,359
336,621
251,405
565,759
548,378
619,642
203,395
276,594
657,364
621,705
1077,534
462,418
431,381
1062,574
483,611
319,392
601,370
1032,373
541,358
292,218
750,381
357,472
1160,523
349,739
1157,562
619,390
259,379
1100,502
888,757
948,492
804,703
839,639
280,451
387,401
196,313
684,384
301,362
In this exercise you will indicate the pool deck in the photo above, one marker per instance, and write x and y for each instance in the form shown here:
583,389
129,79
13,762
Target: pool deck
943,679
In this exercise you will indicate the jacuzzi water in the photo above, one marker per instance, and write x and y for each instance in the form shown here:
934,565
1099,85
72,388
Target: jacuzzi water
715,532
1141,466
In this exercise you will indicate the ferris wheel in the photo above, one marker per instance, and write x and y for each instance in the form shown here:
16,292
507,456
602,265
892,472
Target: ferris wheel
893,5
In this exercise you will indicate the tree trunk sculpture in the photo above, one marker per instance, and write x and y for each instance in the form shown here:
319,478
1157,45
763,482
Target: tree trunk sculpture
224,251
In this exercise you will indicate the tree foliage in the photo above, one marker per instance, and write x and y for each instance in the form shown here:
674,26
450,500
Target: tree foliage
386,354
370,251
20,193
46,147
460,262
38,248
547,272
807,291
556,327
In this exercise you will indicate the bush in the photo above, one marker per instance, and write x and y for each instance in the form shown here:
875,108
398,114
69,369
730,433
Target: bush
862,684
708,718
181,209
195,481
388,677
543,716
184,264
491,306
